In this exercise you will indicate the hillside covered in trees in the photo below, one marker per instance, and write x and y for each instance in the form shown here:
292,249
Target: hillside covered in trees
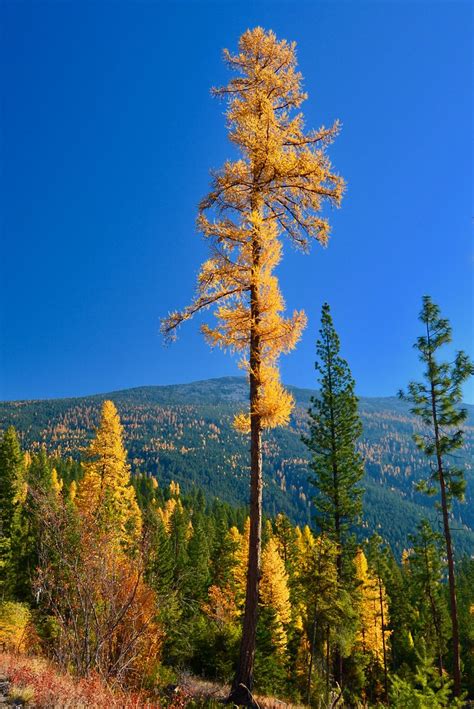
134,583
239,541
185,433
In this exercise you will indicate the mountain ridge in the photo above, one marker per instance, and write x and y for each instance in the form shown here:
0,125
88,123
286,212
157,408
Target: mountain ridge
304,392
184,432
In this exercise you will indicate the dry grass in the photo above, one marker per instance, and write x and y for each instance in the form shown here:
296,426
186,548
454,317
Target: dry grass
206,693
48,688
37,681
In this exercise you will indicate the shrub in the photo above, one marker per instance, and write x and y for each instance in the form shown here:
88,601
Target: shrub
15,626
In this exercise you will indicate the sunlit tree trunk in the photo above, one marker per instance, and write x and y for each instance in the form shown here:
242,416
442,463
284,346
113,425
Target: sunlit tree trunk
244,675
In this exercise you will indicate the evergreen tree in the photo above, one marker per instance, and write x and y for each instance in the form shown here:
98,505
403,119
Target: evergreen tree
328,617
40,472
12,498
277,186
402,612
379,567
425,690
465,592
427,573
334,430
337,469
42,488
199,576
285,537
222,554
436,401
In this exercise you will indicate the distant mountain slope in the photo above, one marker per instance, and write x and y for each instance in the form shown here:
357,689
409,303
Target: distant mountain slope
184,432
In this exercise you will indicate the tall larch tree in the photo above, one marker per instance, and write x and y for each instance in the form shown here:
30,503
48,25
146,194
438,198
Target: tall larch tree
436,401
277,186
106,492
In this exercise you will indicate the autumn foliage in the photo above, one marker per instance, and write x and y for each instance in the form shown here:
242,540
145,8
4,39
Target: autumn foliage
121,583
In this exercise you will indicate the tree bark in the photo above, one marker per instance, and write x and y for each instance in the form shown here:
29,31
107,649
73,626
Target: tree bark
452,584
447,536
311,658
382,619
328,664
244,674
243,682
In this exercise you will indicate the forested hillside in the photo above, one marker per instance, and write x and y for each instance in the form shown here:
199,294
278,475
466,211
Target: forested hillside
184,433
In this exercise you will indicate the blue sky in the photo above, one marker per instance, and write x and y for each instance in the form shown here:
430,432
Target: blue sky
108,133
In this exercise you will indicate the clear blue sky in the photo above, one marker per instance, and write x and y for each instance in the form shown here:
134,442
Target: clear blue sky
108,132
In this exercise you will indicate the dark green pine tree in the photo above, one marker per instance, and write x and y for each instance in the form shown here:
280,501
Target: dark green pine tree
160,559
436,401
39,473
402,612
337,468
198,577
465,597
12,481
39,477
222,554
425,688
427,573
334,430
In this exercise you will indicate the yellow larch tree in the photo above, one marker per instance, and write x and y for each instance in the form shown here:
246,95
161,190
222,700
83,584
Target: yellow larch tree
167,511
274,591
374,618
56,482
72,490
277,186
240,558
105,492
225,604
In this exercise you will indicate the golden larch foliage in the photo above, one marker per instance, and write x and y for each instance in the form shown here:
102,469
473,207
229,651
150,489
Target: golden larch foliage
56,482
174,489
373,606
277,186
105,490
15,626
274,592
240,561
305,542
167,511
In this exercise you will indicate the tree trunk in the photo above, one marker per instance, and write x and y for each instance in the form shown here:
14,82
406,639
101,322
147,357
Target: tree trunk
244,674
311,658
452,585
382,619
328,664
243,682
447,536
434,613
337,516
